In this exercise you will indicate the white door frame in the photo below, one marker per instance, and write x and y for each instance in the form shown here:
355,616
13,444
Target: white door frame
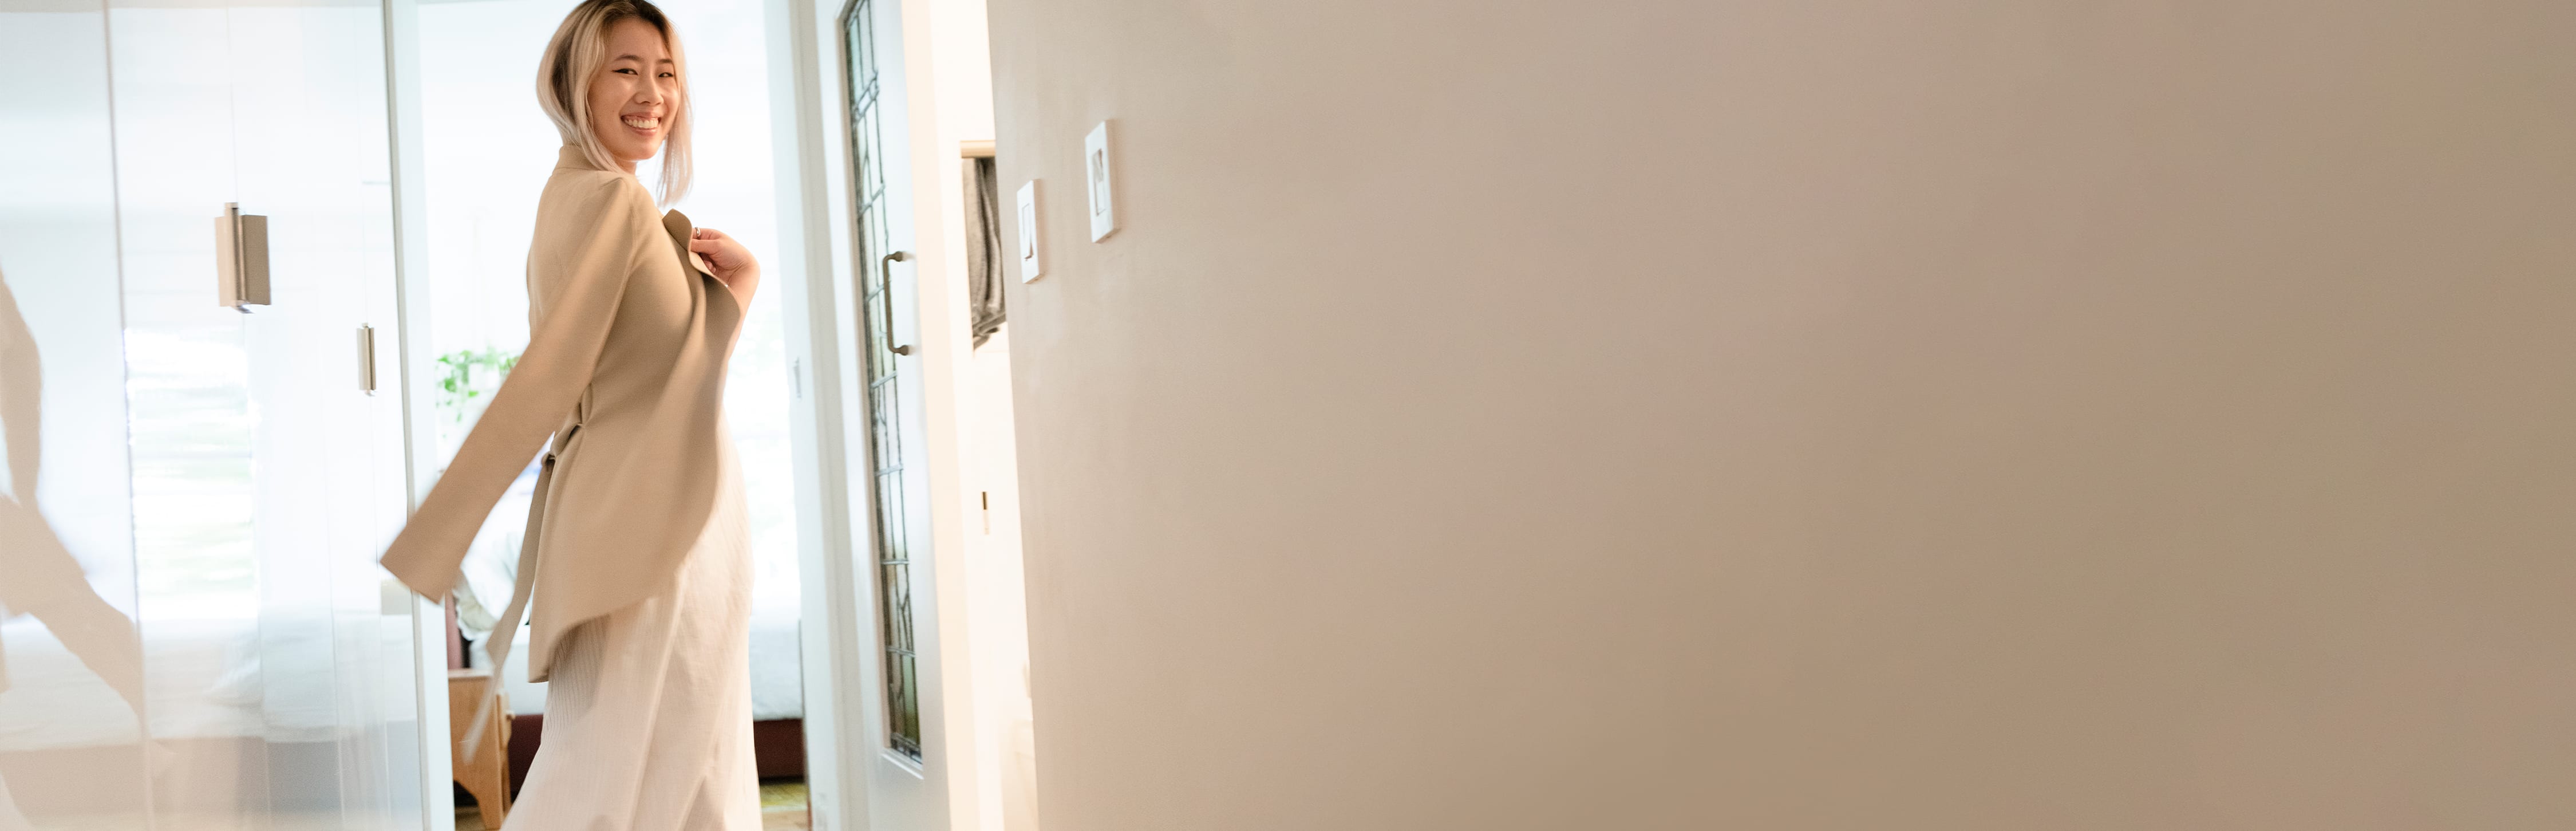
845,729
821,319
420,435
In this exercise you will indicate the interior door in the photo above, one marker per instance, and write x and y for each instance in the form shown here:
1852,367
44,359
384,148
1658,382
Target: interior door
257,473
905,761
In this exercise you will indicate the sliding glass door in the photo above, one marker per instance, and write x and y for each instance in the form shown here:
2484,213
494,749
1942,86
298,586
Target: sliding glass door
198,635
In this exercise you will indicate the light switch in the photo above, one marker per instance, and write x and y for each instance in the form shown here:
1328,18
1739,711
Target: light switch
1095,166
1029,231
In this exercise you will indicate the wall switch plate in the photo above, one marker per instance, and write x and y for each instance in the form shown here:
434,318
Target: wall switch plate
1095,166
1029,270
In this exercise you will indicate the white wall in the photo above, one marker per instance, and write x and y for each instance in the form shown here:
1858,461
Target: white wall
1988,414
967,397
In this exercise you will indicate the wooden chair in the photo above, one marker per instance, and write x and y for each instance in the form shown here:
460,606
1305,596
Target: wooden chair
487,777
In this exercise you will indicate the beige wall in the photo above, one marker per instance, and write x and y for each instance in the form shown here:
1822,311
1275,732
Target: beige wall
1989,414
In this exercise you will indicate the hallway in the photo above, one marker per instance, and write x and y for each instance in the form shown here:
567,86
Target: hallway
1365,415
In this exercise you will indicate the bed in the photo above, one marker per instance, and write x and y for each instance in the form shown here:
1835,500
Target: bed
234,706
204,678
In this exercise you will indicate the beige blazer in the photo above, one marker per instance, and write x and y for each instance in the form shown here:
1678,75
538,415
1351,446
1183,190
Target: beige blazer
625,368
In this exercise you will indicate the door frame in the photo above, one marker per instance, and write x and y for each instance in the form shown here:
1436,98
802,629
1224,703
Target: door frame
844,724
417,375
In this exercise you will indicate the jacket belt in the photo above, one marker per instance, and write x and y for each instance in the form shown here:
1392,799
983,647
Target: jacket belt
506,630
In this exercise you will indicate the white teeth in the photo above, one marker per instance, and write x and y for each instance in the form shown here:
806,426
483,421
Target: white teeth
643,123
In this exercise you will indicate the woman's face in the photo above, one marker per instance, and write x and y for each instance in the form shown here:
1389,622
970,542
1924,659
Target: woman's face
635,94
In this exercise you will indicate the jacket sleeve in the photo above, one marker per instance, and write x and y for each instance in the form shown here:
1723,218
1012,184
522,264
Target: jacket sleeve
579,302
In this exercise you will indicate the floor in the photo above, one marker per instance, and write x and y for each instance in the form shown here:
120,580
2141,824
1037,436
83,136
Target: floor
782,808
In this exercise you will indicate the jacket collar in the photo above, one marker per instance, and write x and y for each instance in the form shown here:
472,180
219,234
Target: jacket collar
571,158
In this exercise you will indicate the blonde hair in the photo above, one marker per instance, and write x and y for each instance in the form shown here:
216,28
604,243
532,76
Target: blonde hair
573,58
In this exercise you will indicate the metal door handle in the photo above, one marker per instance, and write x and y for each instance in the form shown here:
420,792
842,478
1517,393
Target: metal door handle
885,297
241,259
367,359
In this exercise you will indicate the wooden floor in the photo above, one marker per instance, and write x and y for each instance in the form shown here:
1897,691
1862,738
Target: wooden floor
782,808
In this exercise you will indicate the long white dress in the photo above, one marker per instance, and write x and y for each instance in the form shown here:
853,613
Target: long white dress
648,712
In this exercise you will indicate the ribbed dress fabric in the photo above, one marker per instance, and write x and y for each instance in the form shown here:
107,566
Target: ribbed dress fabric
648,713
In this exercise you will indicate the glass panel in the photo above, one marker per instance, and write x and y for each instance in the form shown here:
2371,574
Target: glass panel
335,674
858,31
72,676
882,420
264,477
872,176
890,520
872,241
202,547
898,630
894,588
863,156
880,349
908,709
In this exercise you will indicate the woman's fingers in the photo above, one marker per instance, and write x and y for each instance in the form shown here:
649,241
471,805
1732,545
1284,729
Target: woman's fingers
721,251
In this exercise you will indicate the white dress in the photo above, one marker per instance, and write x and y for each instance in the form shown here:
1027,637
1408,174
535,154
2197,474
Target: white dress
648,712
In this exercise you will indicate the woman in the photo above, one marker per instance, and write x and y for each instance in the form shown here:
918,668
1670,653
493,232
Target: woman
636,558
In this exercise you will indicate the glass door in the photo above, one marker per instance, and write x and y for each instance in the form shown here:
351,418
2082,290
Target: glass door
253,475
907,775
72,682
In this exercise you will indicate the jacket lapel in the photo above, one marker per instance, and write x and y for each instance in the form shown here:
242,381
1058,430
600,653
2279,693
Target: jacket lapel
681,230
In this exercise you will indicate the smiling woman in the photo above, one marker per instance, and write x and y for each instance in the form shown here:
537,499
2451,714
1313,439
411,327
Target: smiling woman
637,101
636,561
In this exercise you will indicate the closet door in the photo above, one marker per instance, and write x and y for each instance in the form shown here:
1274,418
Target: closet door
71,667
266,473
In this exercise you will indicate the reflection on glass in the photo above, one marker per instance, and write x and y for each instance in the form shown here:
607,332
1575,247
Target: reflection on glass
194,496
264,479
72,679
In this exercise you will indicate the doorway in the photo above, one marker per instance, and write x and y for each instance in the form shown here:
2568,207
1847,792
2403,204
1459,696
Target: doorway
883,107
486,152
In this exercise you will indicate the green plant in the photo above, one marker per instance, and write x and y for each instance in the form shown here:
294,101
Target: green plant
458,382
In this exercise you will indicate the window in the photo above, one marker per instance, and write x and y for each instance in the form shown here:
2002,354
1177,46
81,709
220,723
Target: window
884,383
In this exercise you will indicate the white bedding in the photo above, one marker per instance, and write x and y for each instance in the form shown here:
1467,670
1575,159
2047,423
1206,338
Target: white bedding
204,679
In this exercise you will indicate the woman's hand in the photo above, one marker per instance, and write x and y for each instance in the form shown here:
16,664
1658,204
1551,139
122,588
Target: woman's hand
731,262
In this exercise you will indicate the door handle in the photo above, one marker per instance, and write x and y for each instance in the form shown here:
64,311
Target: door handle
367,359
241,259
885,297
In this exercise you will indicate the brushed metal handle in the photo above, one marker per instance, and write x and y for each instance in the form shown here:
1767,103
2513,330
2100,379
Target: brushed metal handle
885,297
367,359
241,259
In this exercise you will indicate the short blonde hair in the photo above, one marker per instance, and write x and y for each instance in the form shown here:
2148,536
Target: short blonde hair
573,58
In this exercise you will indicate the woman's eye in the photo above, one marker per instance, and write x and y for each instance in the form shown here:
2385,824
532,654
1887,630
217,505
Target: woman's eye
625,71
669,75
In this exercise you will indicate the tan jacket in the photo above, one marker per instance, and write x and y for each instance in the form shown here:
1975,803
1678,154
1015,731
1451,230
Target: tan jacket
625,367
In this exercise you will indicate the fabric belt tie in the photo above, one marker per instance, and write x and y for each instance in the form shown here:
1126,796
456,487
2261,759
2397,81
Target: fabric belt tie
497,647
